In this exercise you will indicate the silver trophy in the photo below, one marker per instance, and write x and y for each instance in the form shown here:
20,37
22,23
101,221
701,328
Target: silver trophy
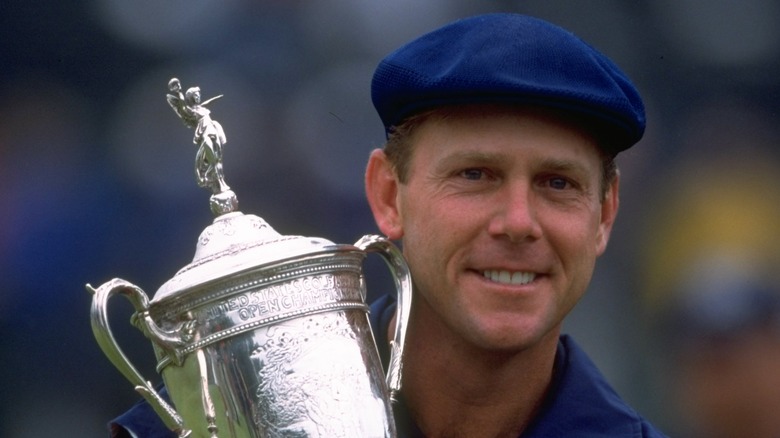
262,335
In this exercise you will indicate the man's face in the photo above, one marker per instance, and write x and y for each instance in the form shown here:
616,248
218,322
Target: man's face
502,222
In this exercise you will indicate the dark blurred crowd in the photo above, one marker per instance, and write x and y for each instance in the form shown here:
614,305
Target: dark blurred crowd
98,181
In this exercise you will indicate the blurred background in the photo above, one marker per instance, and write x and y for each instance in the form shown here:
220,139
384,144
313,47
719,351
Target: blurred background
98,182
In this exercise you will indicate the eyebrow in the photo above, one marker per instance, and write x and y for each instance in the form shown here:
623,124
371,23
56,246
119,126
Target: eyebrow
486,158
564,165
478,157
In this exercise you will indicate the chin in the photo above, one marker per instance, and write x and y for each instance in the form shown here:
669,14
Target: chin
510,337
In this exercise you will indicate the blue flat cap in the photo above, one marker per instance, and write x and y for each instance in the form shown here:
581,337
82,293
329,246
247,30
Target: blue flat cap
514,59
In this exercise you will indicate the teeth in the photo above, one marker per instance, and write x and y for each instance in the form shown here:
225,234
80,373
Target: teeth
507,277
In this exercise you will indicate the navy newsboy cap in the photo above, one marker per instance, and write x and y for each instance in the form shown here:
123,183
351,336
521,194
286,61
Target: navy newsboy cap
515,59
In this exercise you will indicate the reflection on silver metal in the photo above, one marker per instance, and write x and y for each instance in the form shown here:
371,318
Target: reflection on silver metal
262,335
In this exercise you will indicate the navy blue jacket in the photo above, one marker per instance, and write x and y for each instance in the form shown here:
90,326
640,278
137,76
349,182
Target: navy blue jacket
580,402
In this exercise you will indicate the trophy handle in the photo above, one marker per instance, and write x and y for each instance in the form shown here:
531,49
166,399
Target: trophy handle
403,284
104,337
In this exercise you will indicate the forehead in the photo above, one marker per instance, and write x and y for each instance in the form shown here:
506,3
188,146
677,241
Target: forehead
480,126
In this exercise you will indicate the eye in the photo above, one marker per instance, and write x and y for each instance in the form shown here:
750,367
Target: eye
472,174
558,183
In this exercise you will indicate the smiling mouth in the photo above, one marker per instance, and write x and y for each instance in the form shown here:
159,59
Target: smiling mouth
508,277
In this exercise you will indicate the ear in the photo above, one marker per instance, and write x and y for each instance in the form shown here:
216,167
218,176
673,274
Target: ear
382,191
609,209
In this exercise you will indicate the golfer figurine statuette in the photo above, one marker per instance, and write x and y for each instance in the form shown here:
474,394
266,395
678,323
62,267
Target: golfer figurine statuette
261,335
210,139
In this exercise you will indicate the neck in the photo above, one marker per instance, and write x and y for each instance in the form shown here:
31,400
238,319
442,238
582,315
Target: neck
453,389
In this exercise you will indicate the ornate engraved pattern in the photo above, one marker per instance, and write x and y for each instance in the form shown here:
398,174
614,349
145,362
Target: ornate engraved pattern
312,383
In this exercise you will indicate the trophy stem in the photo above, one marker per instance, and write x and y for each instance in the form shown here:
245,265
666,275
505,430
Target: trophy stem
223,202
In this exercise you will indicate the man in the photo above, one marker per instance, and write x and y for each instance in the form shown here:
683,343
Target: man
499,178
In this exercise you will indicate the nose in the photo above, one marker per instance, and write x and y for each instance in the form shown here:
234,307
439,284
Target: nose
515,216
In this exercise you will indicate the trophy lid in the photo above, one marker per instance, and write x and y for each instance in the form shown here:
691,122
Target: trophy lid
234,242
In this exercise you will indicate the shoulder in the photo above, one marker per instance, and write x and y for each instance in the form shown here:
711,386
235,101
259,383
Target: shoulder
582,403
141,421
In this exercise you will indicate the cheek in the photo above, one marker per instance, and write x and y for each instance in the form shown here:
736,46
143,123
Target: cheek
423,217
431,234
584,234
576,244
